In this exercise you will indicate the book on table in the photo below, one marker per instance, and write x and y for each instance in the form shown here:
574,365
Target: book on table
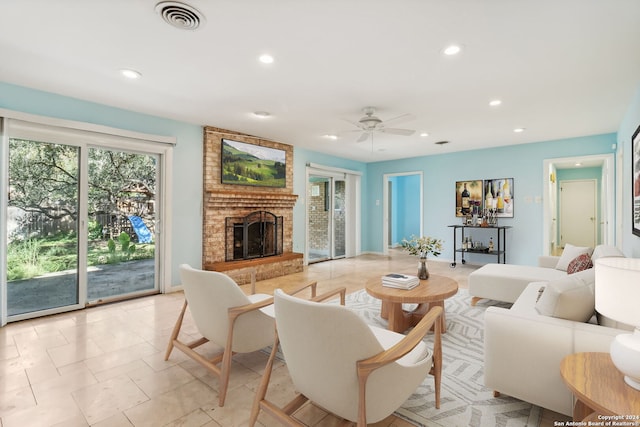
400,281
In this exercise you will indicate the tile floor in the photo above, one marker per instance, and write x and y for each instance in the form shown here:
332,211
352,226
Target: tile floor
104,366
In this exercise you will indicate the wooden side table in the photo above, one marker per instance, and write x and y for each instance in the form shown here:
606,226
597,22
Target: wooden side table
599,388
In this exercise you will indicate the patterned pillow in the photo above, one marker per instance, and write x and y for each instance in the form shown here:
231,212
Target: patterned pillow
579,263
569,253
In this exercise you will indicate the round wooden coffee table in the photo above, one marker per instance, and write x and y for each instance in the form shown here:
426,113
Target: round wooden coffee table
429,293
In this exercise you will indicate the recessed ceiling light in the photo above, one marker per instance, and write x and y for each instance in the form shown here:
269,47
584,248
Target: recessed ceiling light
330,136
454,49
130,74
424,134
495,102
266,59
578,164
262,114
518,130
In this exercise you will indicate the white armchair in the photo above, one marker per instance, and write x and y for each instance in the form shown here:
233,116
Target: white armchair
226,316
356,371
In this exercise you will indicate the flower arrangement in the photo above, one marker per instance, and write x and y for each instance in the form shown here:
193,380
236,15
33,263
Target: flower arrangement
422,246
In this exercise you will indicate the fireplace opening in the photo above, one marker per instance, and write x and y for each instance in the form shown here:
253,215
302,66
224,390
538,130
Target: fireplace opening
256,235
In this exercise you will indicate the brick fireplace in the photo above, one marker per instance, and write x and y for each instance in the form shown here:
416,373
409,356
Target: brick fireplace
224,201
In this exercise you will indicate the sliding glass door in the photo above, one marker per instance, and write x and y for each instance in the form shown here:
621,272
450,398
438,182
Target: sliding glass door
42,226
326,218
81,220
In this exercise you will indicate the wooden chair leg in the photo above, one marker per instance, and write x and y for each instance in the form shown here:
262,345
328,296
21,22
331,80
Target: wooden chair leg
264,383
437,360
225,369
225,366
176,331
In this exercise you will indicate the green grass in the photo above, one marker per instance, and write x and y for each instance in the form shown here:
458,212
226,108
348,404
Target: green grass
38,256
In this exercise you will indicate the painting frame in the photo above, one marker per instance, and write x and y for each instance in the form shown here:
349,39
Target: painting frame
635,182
500,193
244,163
476,196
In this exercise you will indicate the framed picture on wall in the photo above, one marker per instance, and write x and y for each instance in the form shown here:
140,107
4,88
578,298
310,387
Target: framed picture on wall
468,197
635,181
499,196
249,164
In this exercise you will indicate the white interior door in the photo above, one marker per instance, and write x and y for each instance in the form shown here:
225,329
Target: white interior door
578,218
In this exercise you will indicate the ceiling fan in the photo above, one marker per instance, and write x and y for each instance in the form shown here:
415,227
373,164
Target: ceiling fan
371,123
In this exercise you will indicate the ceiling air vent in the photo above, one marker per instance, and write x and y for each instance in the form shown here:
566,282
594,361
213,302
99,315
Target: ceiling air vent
180,15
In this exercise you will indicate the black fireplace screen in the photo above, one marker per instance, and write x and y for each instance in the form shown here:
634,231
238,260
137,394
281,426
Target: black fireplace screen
256,235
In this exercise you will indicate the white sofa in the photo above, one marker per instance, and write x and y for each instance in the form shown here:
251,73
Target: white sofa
505,282
523,348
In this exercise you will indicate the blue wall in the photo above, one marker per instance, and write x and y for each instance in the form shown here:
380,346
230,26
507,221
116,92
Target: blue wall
405,207
524,163
187,157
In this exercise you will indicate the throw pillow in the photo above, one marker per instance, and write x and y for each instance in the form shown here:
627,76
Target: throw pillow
571,298
579,263
569,253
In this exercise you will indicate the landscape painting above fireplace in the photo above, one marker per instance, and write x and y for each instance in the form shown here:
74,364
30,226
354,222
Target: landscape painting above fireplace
250,164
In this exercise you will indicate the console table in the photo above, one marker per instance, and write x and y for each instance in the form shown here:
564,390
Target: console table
499,251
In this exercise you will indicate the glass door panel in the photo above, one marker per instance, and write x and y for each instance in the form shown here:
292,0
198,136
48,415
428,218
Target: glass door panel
42,226
121,255
319,218
339,218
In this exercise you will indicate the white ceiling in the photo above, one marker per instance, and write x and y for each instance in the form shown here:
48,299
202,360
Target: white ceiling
563,68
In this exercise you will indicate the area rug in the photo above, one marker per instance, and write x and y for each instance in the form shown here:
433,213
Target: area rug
465,401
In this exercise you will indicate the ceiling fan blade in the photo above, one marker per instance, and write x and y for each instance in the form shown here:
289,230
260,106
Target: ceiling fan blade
363,137
351,122
399,119
395,131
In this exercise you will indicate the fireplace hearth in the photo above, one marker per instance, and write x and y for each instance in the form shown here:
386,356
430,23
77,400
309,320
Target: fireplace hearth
256,235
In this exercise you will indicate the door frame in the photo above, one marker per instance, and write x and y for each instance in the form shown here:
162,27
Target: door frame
385,206
352,206
609,202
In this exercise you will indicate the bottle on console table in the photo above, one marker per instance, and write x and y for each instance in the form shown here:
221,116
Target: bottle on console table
465,200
